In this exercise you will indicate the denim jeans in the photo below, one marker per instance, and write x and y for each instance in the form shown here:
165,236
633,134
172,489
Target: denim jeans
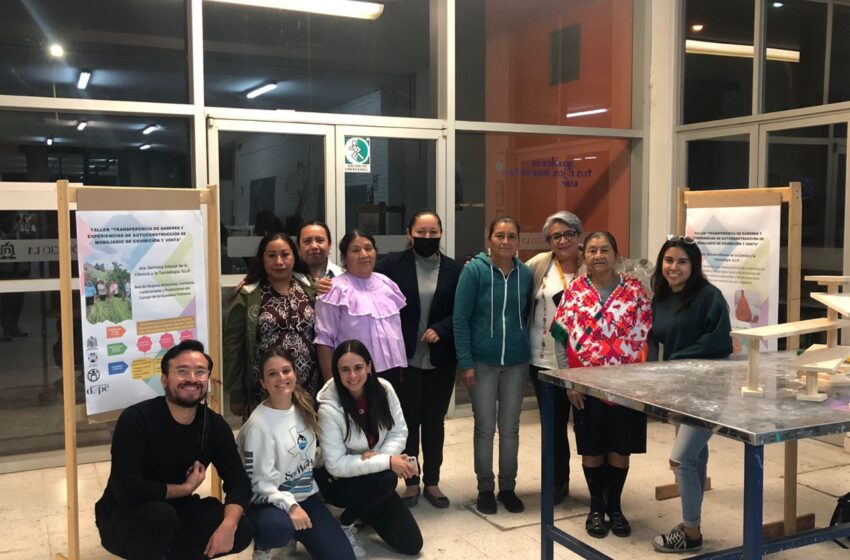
497,398
691,452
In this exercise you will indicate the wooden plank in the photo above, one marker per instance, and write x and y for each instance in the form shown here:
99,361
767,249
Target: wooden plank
776,529
838,302
827,280
795,240
736,197
214,314
681,211
134,198
791,329
820,358
790,487
667,491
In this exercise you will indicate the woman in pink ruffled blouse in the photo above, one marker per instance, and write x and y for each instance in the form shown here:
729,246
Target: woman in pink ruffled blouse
362,305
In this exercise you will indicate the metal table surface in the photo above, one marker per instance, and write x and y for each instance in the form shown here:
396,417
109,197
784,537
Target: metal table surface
705,393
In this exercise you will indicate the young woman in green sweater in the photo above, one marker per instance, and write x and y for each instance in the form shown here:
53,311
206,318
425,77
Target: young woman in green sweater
690,318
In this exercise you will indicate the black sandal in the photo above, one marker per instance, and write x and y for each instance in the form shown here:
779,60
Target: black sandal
619,524
595,525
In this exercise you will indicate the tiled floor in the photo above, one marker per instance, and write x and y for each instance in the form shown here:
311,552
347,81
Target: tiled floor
33,521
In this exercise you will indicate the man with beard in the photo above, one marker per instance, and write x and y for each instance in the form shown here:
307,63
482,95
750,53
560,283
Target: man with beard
161,449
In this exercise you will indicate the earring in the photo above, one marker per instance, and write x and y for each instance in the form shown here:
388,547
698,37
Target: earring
517,253
488,251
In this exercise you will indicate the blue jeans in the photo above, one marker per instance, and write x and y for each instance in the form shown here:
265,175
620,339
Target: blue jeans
274,529
497,398
690,450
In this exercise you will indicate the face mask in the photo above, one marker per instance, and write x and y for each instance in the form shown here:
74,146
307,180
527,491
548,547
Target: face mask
426,246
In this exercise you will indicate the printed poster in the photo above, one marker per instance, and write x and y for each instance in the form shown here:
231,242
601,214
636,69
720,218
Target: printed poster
143,289
740,249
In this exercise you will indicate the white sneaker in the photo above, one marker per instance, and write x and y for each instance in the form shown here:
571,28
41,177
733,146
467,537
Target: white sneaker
351,532
262,555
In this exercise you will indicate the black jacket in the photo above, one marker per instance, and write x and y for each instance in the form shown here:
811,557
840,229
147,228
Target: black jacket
401,268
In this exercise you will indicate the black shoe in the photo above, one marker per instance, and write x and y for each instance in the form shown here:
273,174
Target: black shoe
619,524
440,502
596,525
510,501
411,501
486,503
561,492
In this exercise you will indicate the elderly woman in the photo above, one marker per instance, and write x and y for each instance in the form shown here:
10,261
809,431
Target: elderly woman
604,319
553,271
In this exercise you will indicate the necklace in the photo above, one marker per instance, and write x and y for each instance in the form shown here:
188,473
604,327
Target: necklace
546,327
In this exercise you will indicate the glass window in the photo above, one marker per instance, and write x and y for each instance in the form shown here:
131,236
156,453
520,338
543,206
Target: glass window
322,63
132,49
719,50
817,157
794,65
544,62
839,78
719,163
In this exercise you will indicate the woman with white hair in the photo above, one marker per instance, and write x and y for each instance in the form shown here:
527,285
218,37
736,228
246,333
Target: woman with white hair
553,271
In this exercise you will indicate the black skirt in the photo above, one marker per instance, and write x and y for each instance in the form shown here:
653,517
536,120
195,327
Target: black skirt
601,428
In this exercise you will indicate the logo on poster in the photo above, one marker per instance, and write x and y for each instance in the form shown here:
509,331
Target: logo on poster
97,389
93,375
7,252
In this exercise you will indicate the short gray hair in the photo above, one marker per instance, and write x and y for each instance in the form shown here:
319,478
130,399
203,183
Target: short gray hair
567,218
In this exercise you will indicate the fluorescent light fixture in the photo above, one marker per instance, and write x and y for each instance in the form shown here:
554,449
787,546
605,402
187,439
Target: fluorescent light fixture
82,125
49,140
778,4
261,90
83,81
590,157
344,8
56,50
145,147
586,113
577,159
151,128
697,27
693,46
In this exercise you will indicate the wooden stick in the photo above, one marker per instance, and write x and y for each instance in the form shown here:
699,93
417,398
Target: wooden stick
214,313
790,508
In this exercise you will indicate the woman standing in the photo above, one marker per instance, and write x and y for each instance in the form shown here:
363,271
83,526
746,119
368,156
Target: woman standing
428,280
363,434
691,320
604,319
491,308
278,445
553,272
362,305
270,308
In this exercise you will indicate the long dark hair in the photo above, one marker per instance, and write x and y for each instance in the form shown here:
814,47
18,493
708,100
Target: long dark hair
379,415
696,281
257,272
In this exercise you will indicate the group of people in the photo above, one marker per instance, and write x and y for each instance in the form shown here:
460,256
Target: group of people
342,375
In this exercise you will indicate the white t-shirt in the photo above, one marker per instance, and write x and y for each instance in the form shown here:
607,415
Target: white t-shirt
543,355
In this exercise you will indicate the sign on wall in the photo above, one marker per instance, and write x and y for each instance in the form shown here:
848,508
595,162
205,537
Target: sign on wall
142,290
740,248
358,154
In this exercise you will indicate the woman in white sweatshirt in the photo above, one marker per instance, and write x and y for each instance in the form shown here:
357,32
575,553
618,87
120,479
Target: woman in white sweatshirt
278,445
363,436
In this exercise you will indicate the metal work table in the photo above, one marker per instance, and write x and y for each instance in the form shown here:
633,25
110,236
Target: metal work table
704,393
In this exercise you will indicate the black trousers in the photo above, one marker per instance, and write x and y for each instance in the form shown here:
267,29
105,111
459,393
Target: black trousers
161,530
373,499
425,396
562,416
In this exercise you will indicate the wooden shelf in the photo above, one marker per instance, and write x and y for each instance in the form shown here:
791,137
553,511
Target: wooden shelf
821,358
838,302
792,329
827,280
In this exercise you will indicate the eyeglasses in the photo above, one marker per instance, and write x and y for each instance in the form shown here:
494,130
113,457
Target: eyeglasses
556,237
682,238
186,371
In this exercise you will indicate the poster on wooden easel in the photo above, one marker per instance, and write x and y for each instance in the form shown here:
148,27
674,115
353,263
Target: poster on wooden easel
740,248
143,290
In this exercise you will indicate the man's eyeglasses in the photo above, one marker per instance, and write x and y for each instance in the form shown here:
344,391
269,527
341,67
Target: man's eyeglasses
556,237
186,371
681,238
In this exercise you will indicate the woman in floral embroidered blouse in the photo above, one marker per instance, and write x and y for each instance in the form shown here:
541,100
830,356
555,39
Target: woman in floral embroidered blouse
270,309
602,320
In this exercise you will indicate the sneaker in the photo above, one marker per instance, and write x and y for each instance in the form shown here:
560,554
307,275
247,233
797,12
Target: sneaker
510,501
676,541
262,555
351,533
486,503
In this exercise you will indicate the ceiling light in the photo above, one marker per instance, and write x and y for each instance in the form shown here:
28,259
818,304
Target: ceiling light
777,4
56,50
83,81
344,8
261,90
589,157
693,46
151,128
49,140
145,147
697,27
577,159
586,113
82,125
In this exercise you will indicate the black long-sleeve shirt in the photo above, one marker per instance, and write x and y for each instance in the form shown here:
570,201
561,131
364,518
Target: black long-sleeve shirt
150,450
700,331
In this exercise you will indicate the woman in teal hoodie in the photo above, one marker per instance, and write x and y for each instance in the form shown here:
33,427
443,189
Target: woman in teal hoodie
491,338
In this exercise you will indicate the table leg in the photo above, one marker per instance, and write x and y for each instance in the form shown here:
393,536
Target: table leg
547,460
753,500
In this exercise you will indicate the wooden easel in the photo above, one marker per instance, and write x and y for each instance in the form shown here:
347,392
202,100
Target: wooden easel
792,196
126,199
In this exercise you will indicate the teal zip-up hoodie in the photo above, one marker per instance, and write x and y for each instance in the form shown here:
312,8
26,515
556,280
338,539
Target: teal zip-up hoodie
490,314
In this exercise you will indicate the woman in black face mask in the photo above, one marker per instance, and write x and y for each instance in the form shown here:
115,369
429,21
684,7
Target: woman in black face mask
428,280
